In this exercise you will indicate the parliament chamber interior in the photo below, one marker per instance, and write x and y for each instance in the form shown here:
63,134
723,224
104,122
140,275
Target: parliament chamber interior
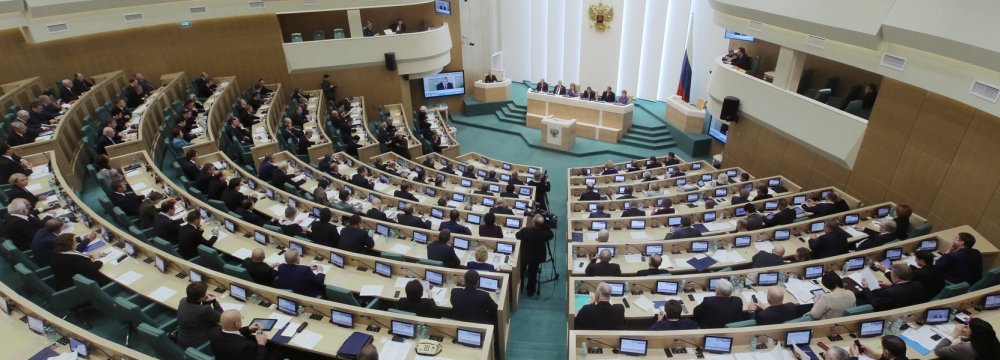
487,179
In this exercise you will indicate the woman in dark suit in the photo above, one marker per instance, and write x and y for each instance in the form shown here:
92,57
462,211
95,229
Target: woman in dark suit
67,262
489,228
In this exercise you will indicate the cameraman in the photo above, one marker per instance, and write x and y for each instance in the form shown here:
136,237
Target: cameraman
534,250
542,188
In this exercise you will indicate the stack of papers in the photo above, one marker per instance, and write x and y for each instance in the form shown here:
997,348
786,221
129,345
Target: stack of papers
867,275
306,339
765,246
128,278
802,290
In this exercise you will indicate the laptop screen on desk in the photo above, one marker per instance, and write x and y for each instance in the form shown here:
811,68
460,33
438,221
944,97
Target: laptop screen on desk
681,182
524,190
667,287
731,173
712,282
287,306
654,249
336,260
634,347
674,221
617,288
458,197
816,227
937,316
520,205
798,199
814,272
494,188
474,218
706,177
770,206
598,225
782,234
619,178
513,223
238,292
721,192
894,254
693,197
465,183
404,329
767,278
259,237
774,182
637,224
741,212
383,269
802,337
505,248
469,338
855,263
590,181
872,328
437,213
882,211
718,344
488,201
699,246
929,245
460,243
708,217
851,219
489,284
433,277
991,302
742,241
420,237
341,318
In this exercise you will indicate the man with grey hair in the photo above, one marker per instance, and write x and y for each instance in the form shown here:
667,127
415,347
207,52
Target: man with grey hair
21,224
66,92
836,353
19,134
600,314
601,265
108,138
300,279
899,293
886,233
42,246
774,258
717,311
603,235
633,210
777,310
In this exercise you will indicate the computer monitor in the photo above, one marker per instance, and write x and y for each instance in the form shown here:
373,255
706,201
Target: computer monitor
610,249
36,325
637,224
203,213
474,218
259,237
706,177
991,302
341,318
741,241
929,245
485,161
434,277
782,234
817,227
372,197
489,284
872,328
524,190
130,249
598,225
383,269
505,248
800,337
336,260
721,192
699,246
513,223
767,278
160,264
504,177
621,190
718,344
481,173
494,188
774,182
383,179
420,237
194,276
288,306
619,178
937,316
460,243
712,283
708,217
665,287
291,202
465,183
674,221
592,207
681,182
770,205
238,292
461,167
437,213
894,254
270,194
505,166
469,338
632,346
813,272
534,170
430,191
403,329
251,184
79,347
458,197
671,169
520,205
741,212
488,201
617,288
882,211
731,173
590,181
855,263
852,219
693,198
654,249
823,194
382,229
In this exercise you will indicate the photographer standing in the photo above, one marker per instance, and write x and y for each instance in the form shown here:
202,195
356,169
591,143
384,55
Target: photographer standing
542,188
534,250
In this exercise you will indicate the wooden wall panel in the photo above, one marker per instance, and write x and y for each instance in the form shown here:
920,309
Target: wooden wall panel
940,126
971,177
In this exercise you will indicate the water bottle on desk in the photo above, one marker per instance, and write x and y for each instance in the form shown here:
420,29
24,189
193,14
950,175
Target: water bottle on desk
582,354
422,331
753,343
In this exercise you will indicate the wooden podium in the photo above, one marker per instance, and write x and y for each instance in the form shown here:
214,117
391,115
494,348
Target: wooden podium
491,92
557,133
684,116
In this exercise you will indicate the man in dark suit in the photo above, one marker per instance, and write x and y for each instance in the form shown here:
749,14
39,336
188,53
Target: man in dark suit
444,84
66,93
43,244
542,86
928,275
361,179
765,259
204,177
599,213
67,263
534,251
80,83
261,272
216,186
588,94
454,224
962,263
508,191
236,131
398,27
323,232
328,87
266,168
633,210
189,236
203,86
833,242
655,261
742,198
129,203
416,303
608,95
600,314
355,239
763,193
784,216
246,212
741,59
441,250
716,311
163,226
280,177
231,195
404,192
19,134
189,167
601,265
407,218
502,208
886,233
376,211
300,279
559,89
777,311
484,189
754,219
470,304
107,138
686,230
901,292
238,342
590,194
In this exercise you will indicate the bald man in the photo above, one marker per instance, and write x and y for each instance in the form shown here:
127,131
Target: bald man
261,272
603,235
238,342
601,265
600,314
534,250
765,259
368,352
777,311
654,267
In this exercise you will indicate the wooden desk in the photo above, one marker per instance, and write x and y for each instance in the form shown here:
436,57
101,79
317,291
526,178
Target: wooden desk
491,92
396,114
666,185
596,170
499,166
21,93
595,120
148,117
634,176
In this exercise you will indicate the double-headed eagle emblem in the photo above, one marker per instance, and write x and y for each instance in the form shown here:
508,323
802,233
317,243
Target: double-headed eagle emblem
601,15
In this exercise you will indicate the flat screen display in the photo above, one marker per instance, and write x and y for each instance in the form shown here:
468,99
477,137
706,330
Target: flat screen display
693,197
259,237
937,316
460,243
991,302
617,288
513,223
489,284
437,213
287,306
802,337
718,344
738,36
882,212
336,260
475,218
667,287
674,221
634,347
404,329
770,206
699,246
383,269
814,272
741,241
708,217
816,227
929,245
721,192
505,248
851,219
798,199
767,278
444,84
654,249
419,237
782,234
520,205
79,347
342,319
469,338
598,225
894,254
855,263
433,277
872,328
637,224
238,292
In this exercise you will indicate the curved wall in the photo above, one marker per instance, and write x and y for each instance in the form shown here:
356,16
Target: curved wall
416,52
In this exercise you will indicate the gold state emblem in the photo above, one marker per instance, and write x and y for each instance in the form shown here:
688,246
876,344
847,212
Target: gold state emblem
601,15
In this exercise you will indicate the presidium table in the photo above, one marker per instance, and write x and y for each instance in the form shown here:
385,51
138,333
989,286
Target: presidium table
594,120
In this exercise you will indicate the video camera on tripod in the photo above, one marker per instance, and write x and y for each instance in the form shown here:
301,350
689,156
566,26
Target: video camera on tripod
551,220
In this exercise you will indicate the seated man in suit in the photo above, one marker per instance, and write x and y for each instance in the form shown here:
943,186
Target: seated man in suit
205,176
741,59
361,179
231,195
601,265
763,193
670,318
671,159
599,314
404,192
589,94
508,191
484,189
833,242
376,211
608,95
407,218
655,261
248,214
742,198
441,250
66,93
590,194
901,292
280,177
444,84
777,311
628,194
190,236
163,226
300,279
559,89
542,86
784,216
886,233
355,239
765,259
416,303
129,203
189,167
108,138
66,262
238,342
893,348
323,232
686,230
716,311
926,273
261,272
19,134
266,168
454,225
633,210
599,213
21,225
962,263
468,303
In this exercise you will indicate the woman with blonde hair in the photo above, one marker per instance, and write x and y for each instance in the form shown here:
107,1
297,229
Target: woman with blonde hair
480,263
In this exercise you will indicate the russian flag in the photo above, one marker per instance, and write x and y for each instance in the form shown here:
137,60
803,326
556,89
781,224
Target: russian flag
684,84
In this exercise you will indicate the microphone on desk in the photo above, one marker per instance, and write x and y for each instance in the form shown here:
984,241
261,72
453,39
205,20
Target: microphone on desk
849,331
675,248
697,348
580,284
636,248
698,283
642,285
418,276
614,349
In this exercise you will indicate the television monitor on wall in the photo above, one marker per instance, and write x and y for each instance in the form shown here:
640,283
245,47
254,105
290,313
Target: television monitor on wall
738,36
717,129
442,7
444,84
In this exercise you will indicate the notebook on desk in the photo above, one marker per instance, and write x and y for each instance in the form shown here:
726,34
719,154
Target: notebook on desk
352,346
577,237
700,265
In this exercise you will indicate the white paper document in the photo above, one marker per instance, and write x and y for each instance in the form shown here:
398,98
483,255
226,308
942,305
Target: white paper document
633,258
371,290
128,278
307,339
162,294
